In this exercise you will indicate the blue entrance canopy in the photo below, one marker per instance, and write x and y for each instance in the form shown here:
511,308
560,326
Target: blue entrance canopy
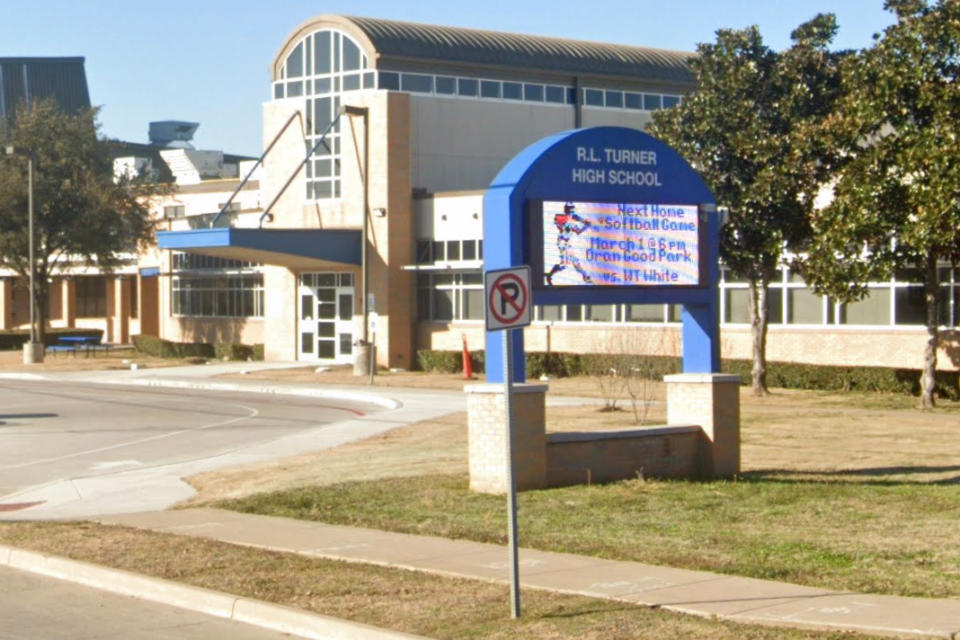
293,248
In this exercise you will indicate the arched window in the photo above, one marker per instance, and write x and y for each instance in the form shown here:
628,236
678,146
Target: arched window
322,67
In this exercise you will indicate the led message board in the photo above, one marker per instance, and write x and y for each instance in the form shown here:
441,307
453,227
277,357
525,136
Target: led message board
615,244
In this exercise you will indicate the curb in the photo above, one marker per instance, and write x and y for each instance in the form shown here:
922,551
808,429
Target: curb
215,603
371,398
355,396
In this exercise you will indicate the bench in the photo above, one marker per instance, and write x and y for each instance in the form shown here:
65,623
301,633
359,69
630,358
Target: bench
75,343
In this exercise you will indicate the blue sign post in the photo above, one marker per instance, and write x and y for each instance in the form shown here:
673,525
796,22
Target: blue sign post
604,216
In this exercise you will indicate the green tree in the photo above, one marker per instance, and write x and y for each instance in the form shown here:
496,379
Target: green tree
895,197
81,214
740,131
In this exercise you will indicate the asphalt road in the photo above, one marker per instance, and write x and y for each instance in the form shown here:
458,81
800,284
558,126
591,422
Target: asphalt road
68,443
35,607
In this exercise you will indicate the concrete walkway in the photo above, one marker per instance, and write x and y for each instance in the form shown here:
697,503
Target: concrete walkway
696,592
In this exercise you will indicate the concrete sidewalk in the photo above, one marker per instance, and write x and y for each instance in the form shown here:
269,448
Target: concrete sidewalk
696,592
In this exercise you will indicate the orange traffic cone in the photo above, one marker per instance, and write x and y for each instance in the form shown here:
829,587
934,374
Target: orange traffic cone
467,365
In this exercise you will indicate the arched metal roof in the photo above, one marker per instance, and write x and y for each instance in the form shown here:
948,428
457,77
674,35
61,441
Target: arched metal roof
394,39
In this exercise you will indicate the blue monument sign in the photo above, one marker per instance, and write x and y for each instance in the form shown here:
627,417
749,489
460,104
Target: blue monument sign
604,216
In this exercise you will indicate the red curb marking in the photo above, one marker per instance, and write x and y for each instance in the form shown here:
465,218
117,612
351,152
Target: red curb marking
17,506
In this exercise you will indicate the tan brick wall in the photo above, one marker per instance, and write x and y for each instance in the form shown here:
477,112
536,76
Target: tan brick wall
390,237
712,402
279,317
487,433
584,458
6,303
838,346
866,347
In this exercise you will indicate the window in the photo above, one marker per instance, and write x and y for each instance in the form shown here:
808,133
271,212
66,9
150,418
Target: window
191,261
91,297
599,313
390,80
489,89
512,91
351,55
874,309
533,92
614,99
453,250
555,94
445,297
804,306
446,85
218,295
134,298
321,53
670,101
593,97
633,100
322,66
736,305
643,313
416,82
467,87
911,305
651,102
351,82
174,212
295,62
549,313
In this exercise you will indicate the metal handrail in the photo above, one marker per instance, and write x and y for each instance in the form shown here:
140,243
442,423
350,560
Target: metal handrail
296,114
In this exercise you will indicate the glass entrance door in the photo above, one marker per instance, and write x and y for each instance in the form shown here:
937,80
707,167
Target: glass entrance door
326,317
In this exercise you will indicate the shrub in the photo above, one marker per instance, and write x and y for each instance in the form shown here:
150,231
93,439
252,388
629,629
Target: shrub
440,361
161,348
790,375
232,351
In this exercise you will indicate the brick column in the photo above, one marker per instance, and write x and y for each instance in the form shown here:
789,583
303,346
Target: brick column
487,431
121,310
68,301
6,303
712,402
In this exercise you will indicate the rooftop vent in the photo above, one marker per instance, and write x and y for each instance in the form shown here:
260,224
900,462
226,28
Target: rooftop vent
173,133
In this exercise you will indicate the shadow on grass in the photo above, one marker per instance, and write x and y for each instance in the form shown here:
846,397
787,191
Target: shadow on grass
593,610
866,476
4,417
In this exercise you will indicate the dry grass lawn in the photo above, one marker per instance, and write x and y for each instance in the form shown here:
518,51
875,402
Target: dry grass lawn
410,601
796,434
115,358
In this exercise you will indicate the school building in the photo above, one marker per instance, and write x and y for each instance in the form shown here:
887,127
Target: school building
403,126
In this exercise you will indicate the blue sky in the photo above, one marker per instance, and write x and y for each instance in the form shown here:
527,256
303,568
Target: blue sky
208,60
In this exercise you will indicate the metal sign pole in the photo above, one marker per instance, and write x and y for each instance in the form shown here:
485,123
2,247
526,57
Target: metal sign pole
511,481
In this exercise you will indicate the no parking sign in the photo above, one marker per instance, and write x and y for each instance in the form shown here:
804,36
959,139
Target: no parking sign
507,295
